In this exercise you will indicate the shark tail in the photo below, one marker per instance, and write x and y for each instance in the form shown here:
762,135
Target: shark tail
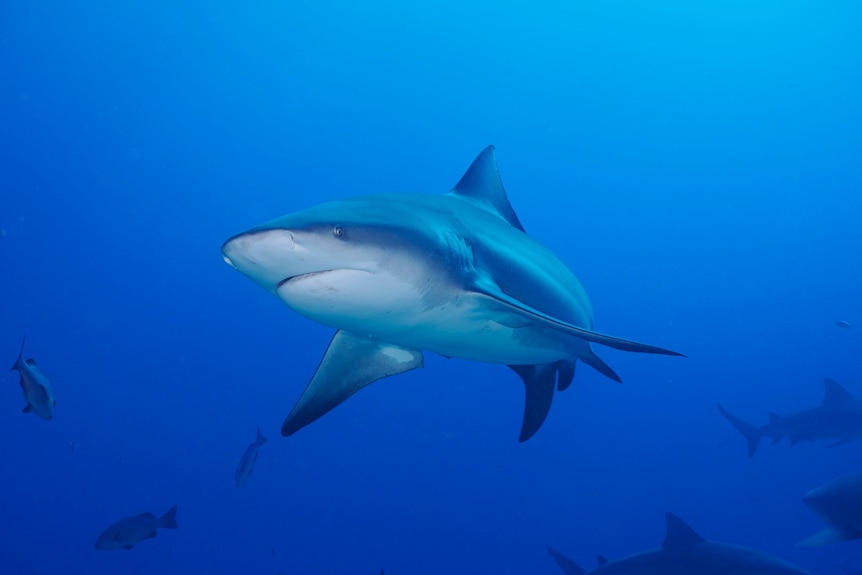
20,360
260,440
568,566
169,519
752,433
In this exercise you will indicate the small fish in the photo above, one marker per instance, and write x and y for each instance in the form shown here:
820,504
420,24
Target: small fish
844,324
35,386
246,464
125,533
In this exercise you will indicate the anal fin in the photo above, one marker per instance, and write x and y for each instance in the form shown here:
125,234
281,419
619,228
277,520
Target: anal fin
595,362
350,363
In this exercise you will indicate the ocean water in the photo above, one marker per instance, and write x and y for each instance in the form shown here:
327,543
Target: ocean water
697,165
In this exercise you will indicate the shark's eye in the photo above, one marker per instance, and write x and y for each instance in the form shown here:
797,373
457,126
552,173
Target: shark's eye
338,232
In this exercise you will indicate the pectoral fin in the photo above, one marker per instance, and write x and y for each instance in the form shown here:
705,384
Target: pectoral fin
827,536
350,363
508,304
568,566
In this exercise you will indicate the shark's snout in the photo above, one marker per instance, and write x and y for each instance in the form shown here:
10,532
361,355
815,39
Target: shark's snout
266,256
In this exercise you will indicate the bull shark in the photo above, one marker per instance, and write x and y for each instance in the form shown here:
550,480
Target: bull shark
684,552
454,274
837,418
839,505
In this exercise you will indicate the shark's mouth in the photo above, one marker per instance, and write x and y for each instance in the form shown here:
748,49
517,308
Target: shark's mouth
301,276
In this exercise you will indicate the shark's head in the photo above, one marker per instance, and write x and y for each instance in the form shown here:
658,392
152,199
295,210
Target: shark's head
352,258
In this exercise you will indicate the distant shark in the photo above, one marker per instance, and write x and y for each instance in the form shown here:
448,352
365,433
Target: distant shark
837,418
684,552
839,505
454,274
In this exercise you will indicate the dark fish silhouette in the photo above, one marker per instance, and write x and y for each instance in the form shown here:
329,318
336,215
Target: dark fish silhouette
837,418
684,552
844,324
35,386
246,464
126,533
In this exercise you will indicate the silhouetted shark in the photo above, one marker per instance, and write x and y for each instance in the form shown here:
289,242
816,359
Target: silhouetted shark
838,417
454,274
684,552
839,505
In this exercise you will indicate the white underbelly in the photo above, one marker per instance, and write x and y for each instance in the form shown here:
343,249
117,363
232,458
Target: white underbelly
459,326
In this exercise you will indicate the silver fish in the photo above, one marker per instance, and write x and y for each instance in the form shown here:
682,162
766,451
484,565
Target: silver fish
35,386
246,464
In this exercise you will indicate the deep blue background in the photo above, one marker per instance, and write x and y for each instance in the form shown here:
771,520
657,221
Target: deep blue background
696,164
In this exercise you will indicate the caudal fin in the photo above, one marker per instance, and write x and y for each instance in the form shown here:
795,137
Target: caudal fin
169,519
751,433
20,359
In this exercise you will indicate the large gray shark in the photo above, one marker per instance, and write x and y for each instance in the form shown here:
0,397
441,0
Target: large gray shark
839,505
454,274
837,418
684,552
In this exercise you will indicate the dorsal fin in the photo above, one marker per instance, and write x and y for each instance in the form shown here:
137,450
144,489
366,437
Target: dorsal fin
678,534
835,394
602,560
481,182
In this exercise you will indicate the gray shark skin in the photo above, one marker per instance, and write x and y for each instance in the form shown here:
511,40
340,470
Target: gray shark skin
38,395
839,505
454,274
249,458
838,418
684,552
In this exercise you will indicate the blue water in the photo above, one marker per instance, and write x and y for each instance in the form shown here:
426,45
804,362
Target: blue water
695,164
